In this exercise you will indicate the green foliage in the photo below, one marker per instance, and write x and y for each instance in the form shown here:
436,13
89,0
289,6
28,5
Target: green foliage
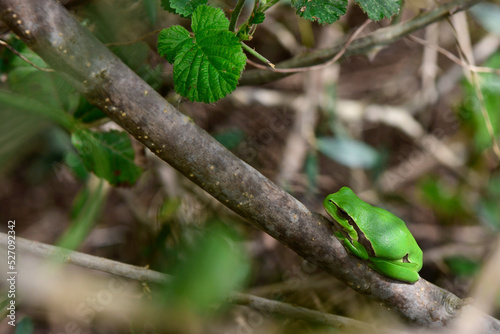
462,266
257,18
85,211
109,155
214,266
445,200
470,110
348,152
323,11
184,8
208,64
379,9
86,112
209,61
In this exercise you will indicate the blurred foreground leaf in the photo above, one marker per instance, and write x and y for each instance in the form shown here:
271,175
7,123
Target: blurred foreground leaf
87,207
215,266
17,133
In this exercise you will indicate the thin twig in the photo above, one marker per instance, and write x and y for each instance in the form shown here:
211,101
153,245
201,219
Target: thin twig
24,58
325,64
86,260
454,58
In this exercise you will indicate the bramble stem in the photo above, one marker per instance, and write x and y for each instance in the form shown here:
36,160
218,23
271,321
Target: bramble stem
257,55
236,14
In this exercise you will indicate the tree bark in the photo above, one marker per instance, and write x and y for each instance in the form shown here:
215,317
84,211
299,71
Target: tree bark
51,31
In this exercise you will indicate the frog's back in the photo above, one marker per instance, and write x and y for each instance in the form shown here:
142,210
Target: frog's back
391,239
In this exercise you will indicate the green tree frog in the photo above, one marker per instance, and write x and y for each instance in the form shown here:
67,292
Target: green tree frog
376,235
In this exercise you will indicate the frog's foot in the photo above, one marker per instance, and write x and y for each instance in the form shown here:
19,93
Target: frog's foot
402,271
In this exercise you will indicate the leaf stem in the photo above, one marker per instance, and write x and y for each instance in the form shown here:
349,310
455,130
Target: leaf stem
257,55
236,14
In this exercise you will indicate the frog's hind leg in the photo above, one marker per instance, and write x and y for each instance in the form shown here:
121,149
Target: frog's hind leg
402,271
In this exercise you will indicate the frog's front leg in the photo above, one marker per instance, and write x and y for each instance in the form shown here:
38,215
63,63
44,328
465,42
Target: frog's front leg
353,246
402,271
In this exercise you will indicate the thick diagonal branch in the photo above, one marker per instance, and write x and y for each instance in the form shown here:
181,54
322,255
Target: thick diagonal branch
108,83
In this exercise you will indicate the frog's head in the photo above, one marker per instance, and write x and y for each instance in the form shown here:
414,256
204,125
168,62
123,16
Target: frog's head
340,207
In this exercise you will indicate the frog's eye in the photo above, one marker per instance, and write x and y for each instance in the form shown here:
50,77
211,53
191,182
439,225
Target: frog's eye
342,213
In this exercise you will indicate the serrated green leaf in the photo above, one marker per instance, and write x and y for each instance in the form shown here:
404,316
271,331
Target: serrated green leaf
171,40
379,9
183,8
165,4
257,18
209,70
208,65
108,154
207,18
323,11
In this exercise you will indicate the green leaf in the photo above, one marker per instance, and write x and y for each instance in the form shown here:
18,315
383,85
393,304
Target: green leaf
24,103
85,211
462,266
108,154
183,8
323,11
171,41
86,112
379,9
348,152
208,65
215,266
257,18
207,18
